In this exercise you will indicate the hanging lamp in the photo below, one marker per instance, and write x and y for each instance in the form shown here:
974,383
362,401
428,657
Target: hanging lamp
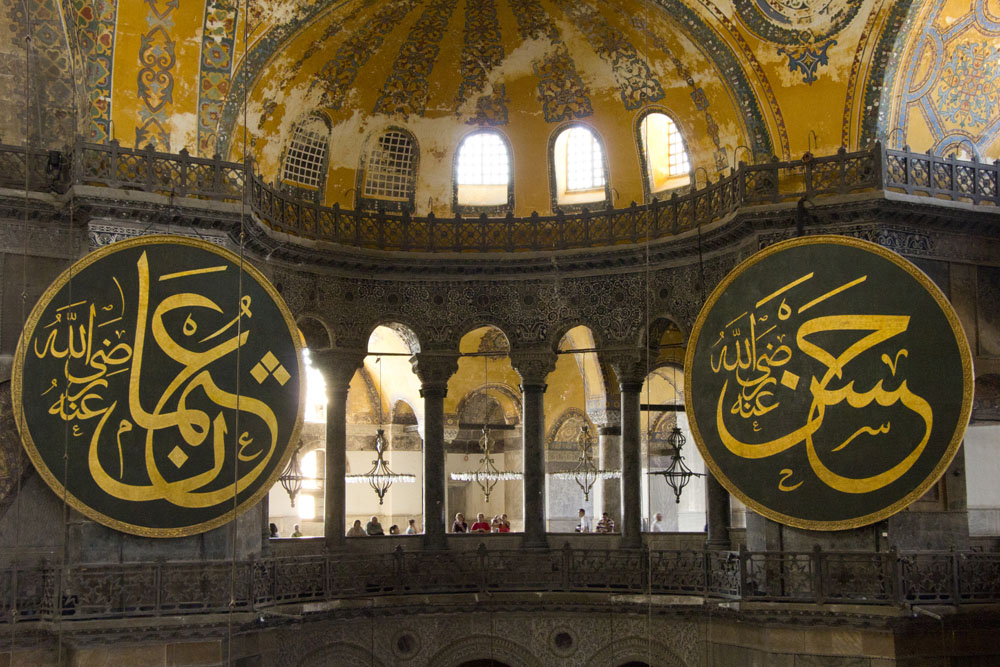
586,473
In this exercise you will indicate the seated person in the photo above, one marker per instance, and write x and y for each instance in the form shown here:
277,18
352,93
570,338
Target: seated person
584,525
412,528
504,524
606,524
356,530
459,526
394,529
374,527
480,526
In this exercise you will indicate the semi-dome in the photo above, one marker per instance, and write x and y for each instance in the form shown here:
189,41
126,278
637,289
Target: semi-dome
412,80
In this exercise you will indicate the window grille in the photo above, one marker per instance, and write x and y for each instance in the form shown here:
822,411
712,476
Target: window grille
483,160
391,170
306,154
584,161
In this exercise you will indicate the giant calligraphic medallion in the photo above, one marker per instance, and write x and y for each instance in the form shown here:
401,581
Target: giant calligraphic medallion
829,382
168,378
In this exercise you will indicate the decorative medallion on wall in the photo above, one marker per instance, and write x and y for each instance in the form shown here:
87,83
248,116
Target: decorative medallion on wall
829,382
803,29
155,380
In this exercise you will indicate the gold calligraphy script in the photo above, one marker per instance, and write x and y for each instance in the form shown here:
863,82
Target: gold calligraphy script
137,387
751,352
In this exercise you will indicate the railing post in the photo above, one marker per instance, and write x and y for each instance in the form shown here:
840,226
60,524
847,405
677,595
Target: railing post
674,216
744,556
405,242
842,170
431,231
567,560
880,165
509,230
149,168
158,586
996,183
183,171
217,175
335,232
956,586
889,573
115,157
817,559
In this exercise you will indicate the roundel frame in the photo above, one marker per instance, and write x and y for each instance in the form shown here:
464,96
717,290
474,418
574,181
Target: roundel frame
964,411
28,441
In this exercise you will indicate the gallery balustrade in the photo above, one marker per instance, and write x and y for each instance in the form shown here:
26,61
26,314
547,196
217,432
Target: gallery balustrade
182,175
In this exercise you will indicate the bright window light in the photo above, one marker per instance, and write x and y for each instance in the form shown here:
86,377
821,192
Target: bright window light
483,160
584,161
306,505
315,392
666,157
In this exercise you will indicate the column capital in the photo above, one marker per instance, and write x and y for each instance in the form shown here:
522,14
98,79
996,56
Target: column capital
630,366
605,418
338,365
434,369
533,365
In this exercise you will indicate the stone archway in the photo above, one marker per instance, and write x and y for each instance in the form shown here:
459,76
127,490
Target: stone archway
636,651
483,651
340,654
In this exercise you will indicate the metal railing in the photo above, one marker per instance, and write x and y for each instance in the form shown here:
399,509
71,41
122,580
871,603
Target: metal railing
774,182
45,592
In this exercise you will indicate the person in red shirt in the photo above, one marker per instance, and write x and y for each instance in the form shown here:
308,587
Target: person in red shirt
480,526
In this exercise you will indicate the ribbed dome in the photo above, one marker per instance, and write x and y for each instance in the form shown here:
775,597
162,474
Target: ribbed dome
442,68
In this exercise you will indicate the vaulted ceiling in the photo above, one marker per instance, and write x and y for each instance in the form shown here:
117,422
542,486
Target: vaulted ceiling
744,79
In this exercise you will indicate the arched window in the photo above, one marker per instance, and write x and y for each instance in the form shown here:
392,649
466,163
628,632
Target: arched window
483,172
579,169
390,171
305,159
664,156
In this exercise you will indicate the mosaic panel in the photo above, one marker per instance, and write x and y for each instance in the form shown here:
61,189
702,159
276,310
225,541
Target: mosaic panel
481,52
852,81
156,80
95,33
560,88
885,62
804,30
51,68
730,70
217,43
637,83
332,30
406,90
338,74
951,80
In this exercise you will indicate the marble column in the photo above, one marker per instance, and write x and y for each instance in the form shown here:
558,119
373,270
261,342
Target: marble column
717,515
631,371
433,370
610,447
338,367
533,367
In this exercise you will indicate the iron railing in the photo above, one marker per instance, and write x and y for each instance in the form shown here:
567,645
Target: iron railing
809,178
43,591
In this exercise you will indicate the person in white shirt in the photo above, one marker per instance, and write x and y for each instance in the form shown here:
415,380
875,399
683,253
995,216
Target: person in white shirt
584,525
411,529
657,526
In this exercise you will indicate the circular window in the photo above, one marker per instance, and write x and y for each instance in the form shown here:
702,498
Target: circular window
563,642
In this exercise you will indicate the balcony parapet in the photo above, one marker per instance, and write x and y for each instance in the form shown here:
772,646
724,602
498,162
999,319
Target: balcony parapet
808,179
45,593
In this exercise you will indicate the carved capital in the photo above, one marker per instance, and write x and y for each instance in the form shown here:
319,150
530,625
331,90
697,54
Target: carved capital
605,418
630,366
434,369
338,365
533,365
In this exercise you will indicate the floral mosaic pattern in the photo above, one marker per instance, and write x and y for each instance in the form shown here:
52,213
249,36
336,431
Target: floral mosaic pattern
217,42
406,90
156,81
95,30
481,52
338,74
945,74
560,88
637,83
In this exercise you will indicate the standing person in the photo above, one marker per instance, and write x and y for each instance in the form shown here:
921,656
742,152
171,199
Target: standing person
374,527
658,526
459,526
412,528
584,525
274,530
480,526
356,530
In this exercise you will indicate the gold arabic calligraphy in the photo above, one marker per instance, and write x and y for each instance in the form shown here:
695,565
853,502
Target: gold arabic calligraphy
754,349
87,338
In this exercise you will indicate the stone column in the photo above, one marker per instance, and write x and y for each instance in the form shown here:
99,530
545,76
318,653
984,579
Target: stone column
610,447
338,367
717,514
631,371
433,370
534,366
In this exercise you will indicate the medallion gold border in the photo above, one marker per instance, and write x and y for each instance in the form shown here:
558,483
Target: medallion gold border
967,388
28,332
